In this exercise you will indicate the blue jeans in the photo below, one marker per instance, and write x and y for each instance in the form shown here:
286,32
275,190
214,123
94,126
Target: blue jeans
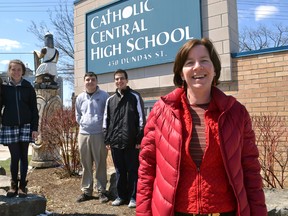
19,153
126,162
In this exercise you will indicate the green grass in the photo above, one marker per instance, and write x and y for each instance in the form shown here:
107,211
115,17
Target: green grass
6,164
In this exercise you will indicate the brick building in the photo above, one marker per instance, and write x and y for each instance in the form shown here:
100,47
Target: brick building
258,79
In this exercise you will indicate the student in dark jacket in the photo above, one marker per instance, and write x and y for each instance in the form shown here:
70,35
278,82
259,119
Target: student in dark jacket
19,123
123,124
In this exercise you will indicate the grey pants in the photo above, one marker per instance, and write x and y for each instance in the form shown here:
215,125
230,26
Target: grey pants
93,150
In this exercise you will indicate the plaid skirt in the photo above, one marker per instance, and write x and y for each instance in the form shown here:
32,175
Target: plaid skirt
15,134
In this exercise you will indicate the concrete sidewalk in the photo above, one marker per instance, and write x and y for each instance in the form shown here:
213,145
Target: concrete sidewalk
5,154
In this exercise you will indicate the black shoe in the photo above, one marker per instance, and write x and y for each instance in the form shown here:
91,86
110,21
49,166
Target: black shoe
13,189
103,198
84,197
22,191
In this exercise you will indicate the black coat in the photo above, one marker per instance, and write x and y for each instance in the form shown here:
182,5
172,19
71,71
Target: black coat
20,105
124,119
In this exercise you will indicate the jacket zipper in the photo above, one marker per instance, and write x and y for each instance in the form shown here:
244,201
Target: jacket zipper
17,104
199,190
224,156
198,168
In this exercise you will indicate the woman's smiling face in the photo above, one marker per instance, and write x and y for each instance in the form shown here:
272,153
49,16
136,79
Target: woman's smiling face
198,70
16,72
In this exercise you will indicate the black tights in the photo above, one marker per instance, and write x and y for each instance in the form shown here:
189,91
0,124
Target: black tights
19,152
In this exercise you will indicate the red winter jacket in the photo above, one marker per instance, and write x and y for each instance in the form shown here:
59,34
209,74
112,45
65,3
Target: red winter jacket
161,153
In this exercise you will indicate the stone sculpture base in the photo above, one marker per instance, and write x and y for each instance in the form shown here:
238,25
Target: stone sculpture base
40,161
42,157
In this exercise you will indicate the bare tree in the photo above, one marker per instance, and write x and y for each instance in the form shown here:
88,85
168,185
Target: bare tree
271,139
62,22
59,135
262,37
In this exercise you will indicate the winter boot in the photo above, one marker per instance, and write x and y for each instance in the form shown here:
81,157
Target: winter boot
22,191
13,189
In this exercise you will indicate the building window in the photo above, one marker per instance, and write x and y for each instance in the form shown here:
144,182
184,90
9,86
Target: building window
148,105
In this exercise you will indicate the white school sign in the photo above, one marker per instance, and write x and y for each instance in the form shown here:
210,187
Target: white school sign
131,33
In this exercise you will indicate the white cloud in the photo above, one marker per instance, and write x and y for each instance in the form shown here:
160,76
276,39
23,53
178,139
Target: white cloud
19,20
8,45
4,65
4,62
265,11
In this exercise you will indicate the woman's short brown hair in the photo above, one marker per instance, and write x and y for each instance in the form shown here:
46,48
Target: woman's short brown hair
17,61
182,56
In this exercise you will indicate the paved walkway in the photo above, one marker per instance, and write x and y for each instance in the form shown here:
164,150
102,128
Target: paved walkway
5,154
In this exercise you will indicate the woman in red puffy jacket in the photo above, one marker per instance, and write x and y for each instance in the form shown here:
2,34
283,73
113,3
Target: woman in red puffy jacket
198,153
